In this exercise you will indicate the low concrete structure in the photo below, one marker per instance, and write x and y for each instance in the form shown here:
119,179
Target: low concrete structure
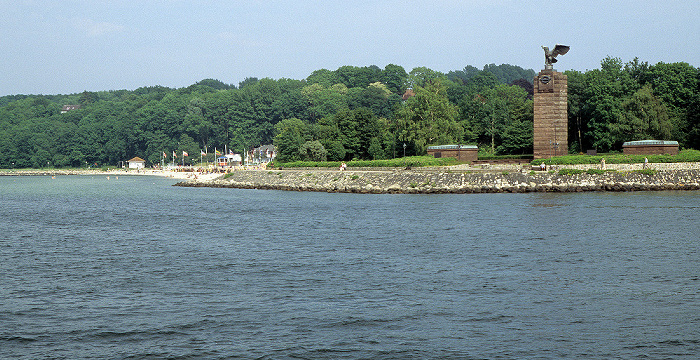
463,153
650,147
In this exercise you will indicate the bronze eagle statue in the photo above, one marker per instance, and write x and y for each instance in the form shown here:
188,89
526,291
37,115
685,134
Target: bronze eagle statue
550,56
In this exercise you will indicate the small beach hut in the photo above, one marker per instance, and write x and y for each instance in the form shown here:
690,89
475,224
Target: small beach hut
137,163
229,160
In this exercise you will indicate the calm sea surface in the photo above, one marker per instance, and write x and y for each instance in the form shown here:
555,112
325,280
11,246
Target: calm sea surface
133,268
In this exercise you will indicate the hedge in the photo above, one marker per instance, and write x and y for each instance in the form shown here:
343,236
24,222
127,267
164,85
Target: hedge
412,161
683,156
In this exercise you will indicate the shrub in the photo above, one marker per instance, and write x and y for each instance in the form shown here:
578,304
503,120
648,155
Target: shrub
313,150
570,171
412,161
504,157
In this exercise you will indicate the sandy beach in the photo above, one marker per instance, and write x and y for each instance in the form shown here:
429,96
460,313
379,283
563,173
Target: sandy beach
182,175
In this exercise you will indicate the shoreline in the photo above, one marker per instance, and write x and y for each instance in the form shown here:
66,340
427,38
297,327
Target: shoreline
181,175
454,181
458,179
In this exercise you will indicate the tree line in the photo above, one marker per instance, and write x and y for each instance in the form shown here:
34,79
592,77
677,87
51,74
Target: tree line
349,113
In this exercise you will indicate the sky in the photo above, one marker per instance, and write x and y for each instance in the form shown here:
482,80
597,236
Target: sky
71,46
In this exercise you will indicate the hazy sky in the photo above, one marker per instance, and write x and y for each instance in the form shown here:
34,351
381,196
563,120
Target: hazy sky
68,46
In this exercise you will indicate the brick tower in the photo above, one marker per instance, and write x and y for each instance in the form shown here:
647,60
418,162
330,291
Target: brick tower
550,113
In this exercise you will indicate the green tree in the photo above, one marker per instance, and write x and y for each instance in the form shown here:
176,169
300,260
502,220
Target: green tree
603,93
323,77
289,139
395,77
678,86
422,76
359,77
504,120
324,102
643,117
374,97
336,151
313,151
428,118
507,73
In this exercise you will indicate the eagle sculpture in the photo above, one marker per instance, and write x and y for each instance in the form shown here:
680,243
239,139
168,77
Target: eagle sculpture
550,56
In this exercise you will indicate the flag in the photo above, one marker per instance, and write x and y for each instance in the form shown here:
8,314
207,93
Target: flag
202,153
184,153
164,154
174,155
230,151
217,152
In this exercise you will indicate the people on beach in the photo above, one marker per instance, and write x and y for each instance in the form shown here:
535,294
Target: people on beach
602,164
646,163
343,166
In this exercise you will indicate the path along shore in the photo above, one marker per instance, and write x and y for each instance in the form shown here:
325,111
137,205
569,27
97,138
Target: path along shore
461,179
183,175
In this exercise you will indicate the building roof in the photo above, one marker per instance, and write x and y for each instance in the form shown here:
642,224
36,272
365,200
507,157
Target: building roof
408,94
452,147
66,108
650,142
265,148
137,159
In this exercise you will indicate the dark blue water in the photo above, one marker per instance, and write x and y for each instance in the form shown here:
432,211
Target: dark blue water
133,268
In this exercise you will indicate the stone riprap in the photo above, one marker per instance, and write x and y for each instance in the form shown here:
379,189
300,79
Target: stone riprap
450,181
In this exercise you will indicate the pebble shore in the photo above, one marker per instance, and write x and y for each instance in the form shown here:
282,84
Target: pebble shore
458,180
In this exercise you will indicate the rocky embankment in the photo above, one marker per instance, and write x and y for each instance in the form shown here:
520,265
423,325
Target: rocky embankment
451,181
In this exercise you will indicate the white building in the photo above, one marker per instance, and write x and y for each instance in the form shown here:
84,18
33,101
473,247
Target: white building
137,163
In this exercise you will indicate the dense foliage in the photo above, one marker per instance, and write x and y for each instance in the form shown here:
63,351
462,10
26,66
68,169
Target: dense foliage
361,113
634,101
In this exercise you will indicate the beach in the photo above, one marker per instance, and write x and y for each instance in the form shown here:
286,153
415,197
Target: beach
183,175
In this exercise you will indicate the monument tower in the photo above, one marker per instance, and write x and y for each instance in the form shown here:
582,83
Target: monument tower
550,135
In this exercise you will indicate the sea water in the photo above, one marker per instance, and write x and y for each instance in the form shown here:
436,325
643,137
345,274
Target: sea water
134,268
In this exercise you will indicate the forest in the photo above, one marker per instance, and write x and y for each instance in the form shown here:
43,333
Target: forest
350,113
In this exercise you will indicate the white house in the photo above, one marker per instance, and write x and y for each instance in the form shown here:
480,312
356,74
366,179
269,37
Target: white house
230,159
137,163
67,108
